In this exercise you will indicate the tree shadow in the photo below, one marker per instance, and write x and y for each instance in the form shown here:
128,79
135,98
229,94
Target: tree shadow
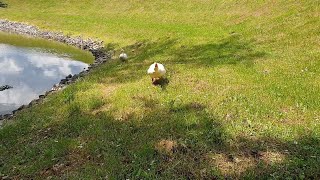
175,141
233,49
3,5
182,140
147,50
132,142
278,159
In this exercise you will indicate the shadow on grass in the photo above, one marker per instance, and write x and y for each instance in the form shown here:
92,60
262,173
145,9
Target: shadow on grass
162,82
184,141
3,5
131,143
231,50
277,159
148,50
170,142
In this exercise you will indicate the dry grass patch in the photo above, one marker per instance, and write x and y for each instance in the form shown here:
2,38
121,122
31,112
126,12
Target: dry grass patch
107,91
75,159
148,102
125,115
270,157
292,116
104,108
236,165
229,165
198,85
166,147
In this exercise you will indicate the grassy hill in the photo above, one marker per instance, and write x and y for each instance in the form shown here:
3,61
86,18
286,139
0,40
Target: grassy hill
242,100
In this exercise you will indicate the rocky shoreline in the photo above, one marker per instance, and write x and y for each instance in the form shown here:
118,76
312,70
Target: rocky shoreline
5,87
94,46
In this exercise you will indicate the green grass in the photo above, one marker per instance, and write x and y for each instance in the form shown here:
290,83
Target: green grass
47,46
242,100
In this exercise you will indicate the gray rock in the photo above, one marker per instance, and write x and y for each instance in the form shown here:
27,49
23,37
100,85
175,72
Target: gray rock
21,107
2,88
63,81
69,76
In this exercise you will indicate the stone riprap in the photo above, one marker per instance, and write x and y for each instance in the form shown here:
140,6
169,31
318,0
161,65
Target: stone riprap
25,29
94,46
2,88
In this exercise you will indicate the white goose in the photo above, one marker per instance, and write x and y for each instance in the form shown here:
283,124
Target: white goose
156,71
123,56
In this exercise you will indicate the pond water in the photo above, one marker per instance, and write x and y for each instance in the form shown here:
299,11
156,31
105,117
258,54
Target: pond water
31,72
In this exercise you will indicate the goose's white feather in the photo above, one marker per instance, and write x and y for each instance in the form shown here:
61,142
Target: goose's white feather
156,73
123,56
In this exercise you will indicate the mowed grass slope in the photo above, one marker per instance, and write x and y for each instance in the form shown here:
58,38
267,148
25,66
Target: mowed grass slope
242,100
47,46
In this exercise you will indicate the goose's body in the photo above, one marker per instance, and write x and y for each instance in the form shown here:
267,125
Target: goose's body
156,71
123,56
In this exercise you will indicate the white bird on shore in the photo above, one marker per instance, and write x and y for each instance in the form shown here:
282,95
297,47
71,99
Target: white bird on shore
123,56
156,71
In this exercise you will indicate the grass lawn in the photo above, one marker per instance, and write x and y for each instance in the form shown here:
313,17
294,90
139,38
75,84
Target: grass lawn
46,46
242,100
